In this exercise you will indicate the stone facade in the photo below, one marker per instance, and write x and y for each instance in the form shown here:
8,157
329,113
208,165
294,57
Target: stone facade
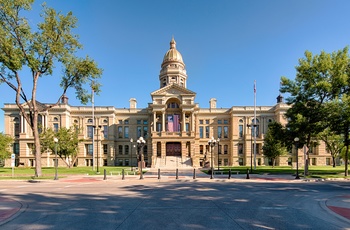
173,125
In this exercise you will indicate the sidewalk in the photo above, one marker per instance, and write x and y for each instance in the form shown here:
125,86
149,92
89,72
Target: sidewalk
339,205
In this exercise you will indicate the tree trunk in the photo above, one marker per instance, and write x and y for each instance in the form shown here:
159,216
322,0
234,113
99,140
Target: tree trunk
333,158
38,171
346,160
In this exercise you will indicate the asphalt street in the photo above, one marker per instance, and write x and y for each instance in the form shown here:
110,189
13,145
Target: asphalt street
184,203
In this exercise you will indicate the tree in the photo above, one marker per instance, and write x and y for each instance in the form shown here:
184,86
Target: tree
51,47
320,79
5,144
339,120
67,146
274,142
334,142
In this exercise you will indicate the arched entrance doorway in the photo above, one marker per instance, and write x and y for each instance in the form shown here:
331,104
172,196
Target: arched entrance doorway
173,149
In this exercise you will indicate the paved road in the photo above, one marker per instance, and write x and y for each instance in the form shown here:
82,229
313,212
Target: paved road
91,203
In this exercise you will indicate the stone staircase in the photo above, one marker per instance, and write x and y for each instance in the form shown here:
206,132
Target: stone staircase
173,162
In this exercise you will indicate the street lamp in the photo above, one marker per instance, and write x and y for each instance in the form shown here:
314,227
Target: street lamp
55,140
212,143
218,140
296,140
98,128
251,144
140,144
131,140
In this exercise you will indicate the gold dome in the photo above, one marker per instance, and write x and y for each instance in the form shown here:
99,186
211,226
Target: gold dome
172,54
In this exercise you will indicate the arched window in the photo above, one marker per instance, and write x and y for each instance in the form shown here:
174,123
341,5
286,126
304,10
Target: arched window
173,105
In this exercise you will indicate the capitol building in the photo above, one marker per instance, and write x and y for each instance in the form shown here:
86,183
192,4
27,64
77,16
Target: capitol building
175,128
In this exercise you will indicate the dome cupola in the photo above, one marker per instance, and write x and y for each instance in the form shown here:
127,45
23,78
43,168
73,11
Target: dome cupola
173,68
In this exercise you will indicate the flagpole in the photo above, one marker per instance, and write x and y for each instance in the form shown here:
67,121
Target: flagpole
254,125
93,126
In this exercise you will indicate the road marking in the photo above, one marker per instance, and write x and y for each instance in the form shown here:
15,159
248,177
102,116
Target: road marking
274,208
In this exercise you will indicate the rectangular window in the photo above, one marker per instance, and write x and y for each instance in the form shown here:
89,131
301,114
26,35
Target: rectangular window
219,149
88,149
105,149
201,122
187,127
225,131
126,147
207,131
126,162
145,132
126,122
138,131
138,122
159,126
120,132
201,131
225,149
126,131
55,127
31,148
16,127
201,149
240,131
240,148
120,149
225,162
219,122
145,122
90,130
226,122
219,132
120,122
16,148
207,122
105,131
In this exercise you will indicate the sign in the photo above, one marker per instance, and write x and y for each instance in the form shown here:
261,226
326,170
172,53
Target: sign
13,157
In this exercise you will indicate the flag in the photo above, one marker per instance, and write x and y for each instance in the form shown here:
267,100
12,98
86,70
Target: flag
176,123
170,123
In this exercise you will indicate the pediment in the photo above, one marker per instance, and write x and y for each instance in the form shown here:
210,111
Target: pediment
171,90
40,106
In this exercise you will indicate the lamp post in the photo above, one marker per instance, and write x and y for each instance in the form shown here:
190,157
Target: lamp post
218,140
131,140
55,140
98,128
212,143
296,140
251,145
140,144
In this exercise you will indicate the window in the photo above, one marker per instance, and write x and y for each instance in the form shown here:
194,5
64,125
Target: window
138,131
40,123
145,122
225,149
138,122
120,149
55,127
159,126
201,149
126,162
240,148
145,132
240,131
120,122
88,148
219,122
187,127
225,162
16,129
201,122
225,131
16,148
126,131
90,130
226,122
105,148
201,131
207,131
219,149
120,132
207,122
126,147
89,120
105,131
126,122
219,132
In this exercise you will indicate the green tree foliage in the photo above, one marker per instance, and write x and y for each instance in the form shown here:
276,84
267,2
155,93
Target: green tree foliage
48,48
319,79
274,142
334,143
67,145
5,146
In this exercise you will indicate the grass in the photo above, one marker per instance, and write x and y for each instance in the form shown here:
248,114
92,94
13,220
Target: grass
49,172
25,173
314,171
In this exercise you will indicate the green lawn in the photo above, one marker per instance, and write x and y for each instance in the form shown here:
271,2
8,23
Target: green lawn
314,171
49,172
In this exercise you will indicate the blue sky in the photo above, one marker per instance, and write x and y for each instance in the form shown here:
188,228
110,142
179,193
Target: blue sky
225,44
